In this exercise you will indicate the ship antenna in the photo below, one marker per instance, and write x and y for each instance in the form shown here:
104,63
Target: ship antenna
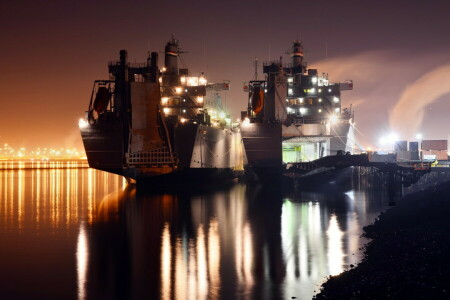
256,68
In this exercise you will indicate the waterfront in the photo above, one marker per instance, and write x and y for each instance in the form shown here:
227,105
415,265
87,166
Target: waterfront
77,232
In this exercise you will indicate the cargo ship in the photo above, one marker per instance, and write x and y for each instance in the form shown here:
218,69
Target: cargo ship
294,115
146,123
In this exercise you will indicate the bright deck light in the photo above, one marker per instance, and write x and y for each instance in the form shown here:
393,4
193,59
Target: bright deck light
333,119
82,123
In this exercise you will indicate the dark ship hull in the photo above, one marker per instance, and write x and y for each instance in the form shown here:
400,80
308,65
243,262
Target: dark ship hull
152,125
262,143
103,144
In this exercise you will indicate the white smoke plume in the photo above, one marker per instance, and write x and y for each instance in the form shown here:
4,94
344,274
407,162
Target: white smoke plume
383,97
408,114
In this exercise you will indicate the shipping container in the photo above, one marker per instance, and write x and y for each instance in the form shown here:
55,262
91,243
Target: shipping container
401,146
414,146
434,145
439,154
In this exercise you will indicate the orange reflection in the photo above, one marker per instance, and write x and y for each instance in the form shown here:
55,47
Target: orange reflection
214,258
46,198
82,256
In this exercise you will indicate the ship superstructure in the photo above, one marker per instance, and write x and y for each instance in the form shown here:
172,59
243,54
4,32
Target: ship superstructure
295,114
147,122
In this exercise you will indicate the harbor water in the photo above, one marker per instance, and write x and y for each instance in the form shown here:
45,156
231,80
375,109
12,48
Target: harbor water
67,231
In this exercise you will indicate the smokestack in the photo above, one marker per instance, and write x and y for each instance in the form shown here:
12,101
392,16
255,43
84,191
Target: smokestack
153,66
124,64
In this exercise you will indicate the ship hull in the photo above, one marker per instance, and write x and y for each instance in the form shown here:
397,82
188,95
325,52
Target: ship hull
203,154
103,144
262,142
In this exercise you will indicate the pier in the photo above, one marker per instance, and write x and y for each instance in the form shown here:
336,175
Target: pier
405,173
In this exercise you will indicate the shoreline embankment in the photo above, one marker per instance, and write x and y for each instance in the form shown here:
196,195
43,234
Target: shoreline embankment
408,256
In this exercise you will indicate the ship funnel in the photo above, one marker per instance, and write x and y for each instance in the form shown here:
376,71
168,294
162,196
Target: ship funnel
297,54
171,56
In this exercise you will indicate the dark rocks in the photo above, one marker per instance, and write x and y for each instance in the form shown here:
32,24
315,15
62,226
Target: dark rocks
409,256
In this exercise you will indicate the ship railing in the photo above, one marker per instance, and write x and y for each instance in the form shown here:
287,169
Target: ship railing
112,63
155,158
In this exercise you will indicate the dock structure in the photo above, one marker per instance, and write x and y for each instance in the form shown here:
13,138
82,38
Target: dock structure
404,173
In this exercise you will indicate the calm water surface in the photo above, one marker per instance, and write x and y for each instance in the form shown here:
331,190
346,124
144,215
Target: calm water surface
68,233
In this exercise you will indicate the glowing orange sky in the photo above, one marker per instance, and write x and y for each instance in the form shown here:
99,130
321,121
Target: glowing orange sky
52,51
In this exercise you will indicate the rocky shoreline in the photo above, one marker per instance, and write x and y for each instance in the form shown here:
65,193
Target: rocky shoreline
409,255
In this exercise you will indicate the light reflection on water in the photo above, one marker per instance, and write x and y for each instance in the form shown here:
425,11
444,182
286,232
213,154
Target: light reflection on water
105,240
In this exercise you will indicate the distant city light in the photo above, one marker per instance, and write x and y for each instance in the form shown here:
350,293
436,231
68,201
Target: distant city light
7,152
392,137
389,139
382,141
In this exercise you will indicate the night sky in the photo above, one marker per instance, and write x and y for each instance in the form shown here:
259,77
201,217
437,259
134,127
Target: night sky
397,53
